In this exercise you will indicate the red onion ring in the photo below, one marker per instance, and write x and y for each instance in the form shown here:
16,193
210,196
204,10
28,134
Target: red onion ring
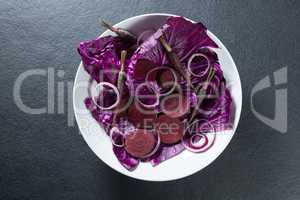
190,62
111,134
212,88
156,103
115,89
142,37
190,145
209,146
163,68
199,150
194,145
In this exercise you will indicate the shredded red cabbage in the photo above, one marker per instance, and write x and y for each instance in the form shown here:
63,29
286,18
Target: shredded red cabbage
101,57
103,117
125,158
166,152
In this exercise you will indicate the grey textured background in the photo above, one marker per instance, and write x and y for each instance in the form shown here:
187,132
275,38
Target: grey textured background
42,158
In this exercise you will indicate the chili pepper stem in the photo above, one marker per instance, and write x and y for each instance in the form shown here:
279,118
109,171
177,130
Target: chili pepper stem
126,35
108,26
120,81
202,91
165,44
175,61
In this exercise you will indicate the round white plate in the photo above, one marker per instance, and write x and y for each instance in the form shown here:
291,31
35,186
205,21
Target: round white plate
180,166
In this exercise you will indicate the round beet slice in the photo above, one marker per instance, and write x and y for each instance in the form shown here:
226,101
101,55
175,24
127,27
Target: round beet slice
175,105
141,68
166,79
169,129
139,143
141,117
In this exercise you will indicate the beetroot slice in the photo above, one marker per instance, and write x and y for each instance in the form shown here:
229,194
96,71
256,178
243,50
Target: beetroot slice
120,111
139,143
141,68
169,129
166,79
141,117
175,105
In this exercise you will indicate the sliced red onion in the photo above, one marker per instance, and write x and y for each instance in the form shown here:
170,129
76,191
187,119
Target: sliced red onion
145,35
161,68
155,148
194,144
192,148
190,62
115,89
209,140
155,95
117,133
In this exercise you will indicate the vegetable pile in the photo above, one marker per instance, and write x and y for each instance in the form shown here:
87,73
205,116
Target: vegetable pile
157,93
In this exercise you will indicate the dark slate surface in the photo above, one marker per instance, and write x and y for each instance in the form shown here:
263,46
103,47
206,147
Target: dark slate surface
42,158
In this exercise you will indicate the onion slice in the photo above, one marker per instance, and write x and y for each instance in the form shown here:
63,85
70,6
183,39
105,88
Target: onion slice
116,91
192,148
117,133
209,140
155,95
195,144
190,62
161,68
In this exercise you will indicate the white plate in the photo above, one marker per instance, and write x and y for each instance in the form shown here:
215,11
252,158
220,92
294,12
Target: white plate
180,166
